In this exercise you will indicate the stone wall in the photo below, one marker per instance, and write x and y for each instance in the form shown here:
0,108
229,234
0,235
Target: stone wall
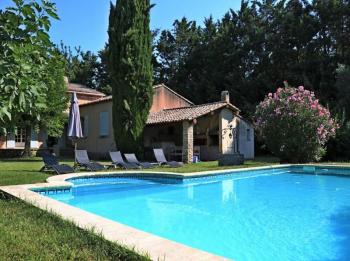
187,129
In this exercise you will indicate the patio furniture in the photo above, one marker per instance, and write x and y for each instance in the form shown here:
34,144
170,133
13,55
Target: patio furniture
82,160
176,152
197,152
118,161
131,158
160,157
51,163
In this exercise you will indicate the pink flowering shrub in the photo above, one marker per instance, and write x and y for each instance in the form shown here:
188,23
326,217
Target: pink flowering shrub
294,125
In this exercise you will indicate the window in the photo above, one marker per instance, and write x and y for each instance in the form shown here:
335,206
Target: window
20,135
248,134
85,125
104,124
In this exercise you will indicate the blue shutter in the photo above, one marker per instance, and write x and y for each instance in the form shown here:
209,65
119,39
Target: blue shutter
104,124
86,126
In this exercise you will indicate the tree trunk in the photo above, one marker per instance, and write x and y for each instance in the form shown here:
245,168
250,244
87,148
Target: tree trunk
28,138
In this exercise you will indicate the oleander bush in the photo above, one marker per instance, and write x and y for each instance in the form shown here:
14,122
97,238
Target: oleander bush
294,125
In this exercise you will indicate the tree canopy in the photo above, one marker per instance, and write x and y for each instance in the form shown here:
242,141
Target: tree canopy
30,69
87,68
251,51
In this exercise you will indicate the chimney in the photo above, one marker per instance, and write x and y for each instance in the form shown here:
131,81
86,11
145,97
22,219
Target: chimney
225,96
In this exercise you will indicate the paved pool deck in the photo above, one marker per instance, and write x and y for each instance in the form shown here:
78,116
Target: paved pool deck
157,248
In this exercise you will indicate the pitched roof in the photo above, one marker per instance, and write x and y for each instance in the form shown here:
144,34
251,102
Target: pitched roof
186,113
74,87
172,91
102,99
108,98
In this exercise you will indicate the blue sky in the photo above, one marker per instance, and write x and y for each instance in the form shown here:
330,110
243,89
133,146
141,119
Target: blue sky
84,22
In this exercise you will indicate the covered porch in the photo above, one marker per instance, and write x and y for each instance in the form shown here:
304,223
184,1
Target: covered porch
206,136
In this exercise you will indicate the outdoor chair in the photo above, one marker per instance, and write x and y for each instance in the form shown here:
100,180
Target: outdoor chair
51,163
118,161
82,160
131,158
160,157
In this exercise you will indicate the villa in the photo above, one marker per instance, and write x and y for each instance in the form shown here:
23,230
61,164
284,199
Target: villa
175,124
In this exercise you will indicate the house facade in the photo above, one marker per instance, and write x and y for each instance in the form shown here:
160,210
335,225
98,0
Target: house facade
39,139
175,124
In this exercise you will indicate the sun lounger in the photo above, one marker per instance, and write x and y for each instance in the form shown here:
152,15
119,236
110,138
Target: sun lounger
82,160
51,163
160,157
118,161
131,158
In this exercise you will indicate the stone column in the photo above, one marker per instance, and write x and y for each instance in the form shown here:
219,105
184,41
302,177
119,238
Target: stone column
187,141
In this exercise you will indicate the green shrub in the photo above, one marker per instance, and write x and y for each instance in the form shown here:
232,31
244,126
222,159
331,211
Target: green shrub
294,126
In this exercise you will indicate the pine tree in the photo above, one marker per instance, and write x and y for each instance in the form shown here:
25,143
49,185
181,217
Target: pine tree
130,68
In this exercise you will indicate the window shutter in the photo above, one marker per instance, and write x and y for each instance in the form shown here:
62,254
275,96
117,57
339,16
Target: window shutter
104,124
86,126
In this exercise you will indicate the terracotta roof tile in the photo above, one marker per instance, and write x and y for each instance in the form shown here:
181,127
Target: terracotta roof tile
102,99
74,87
187,113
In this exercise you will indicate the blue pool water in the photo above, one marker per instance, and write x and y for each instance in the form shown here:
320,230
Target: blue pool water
275,214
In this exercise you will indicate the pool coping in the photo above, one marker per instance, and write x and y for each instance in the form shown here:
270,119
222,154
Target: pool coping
156,247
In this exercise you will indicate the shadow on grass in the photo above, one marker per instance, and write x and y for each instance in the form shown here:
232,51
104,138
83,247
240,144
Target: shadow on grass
340,223
6,197
21,160
28,171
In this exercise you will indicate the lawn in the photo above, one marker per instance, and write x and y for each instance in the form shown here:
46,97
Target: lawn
28,233
26,171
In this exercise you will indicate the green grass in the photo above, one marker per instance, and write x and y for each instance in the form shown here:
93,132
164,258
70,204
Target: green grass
26,171
213,165
28,233
21,171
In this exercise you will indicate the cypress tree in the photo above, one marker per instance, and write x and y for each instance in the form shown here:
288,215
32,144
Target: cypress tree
130,68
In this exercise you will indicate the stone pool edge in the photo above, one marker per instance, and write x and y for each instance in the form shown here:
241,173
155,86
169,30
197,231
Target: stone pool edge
156,247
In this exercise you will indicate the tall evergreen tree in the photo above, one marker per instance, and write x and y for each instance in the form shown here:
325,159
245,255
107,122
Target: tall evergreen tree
130,67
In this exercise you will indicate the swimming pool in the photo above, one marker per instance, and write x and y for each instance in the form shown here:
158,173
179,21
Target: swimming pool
274,214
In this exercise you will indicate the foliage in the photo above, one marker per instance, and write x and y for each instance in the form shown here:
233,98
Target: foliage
103,79
26,66
87,68
129,64
339,146
249,50
24,51
343,90
53,116
294,125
